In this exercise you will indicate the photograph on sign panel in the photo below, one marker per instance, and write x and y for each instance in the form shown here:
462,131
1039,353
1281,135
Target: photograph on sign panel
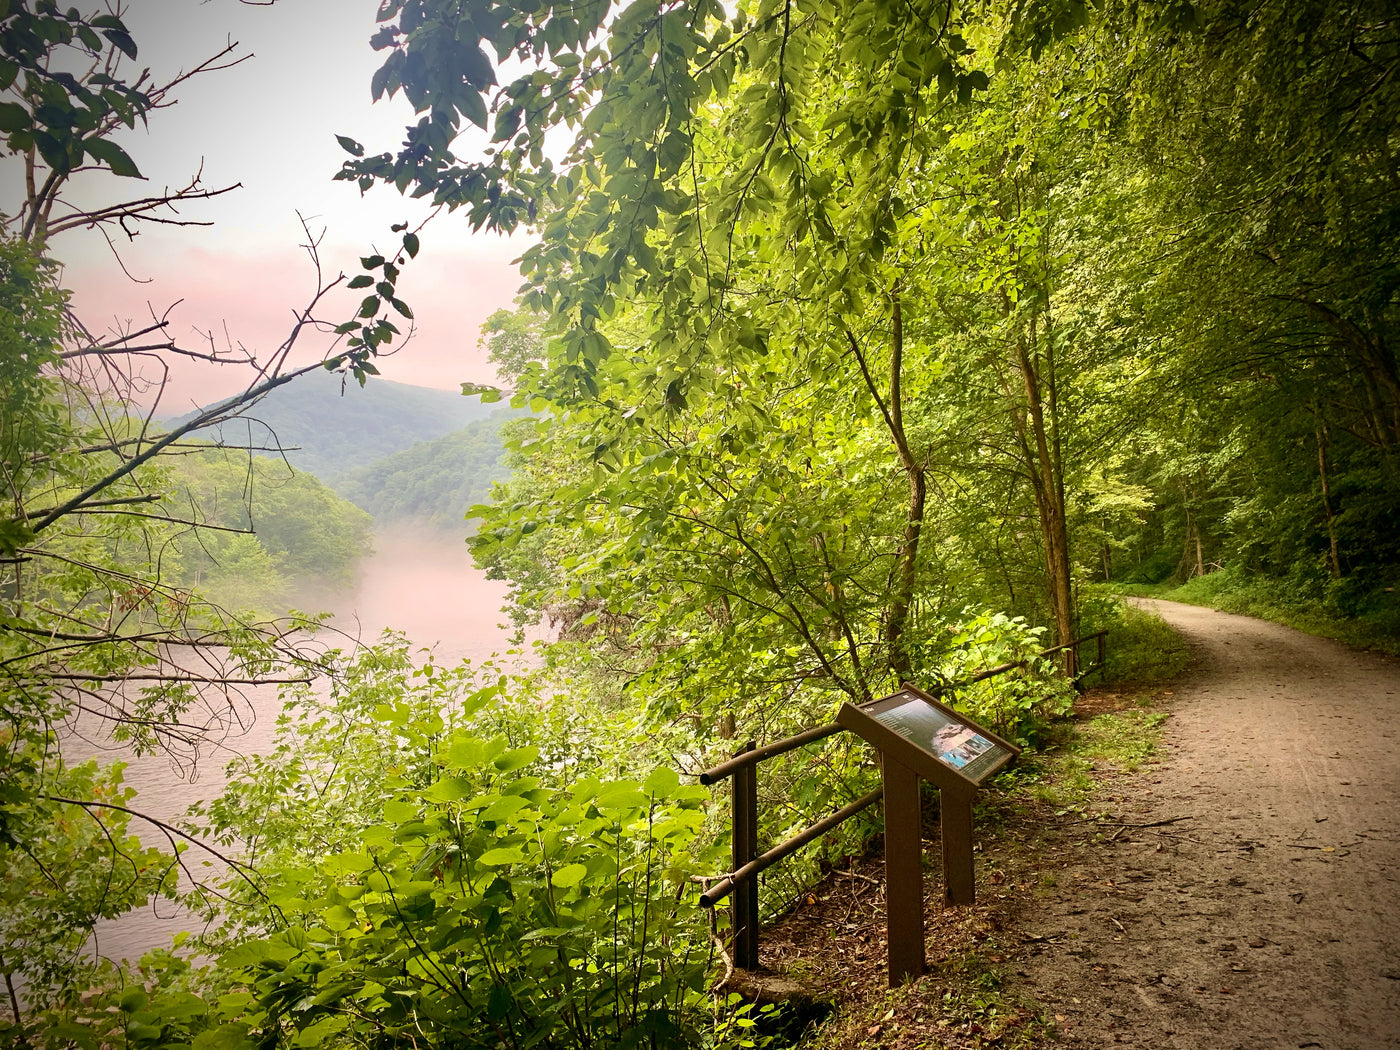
952,742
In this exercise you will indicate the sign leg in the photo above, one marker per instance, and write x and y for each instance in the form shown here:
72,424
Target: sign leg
904,873
956,820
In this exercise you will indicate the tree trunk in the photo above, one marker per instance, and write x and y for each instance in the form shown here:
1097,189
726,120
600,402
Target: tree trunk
902,601
905,575
1047,480
1333,560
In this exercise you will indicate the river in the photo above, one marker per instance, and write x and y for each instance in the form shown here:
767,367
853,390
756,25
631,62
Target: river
420,582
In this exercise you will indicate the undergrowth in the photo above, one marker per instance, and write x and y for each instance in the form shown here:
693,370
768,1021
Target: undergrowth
1366,618
963,1000
1141,647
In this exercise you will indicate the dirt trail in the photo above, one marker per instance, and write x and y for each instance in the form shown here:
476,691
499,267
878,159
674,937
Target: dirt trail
1271,917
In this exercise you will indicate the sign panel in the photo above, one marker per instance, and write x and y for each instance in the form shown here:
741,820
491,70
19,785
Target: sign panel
945,746
951,741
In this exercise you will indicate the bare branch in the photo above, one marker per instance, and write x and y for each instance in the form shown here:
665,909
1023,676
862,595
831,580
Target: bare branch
169,829
150,497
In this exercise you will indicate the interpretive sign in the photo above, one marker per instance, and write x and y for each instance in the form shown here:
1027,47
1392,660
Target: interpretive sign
954,740
920,738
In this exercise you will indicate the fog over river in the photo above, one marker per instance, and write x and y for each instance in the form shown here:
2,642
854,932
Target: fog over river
420,582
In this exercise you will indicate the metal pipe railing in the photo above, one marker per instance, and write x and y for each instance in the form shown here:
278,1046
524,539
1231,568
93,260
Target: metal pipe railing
725,886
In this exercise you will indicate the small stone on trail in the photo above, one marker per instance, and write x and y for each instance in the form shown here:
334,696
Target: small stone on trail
1258,942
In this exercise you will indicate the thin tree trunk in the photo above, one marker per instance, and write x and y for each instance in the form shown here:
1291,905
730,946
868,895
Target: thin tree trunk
903,599
1333,559
907,558
1048,482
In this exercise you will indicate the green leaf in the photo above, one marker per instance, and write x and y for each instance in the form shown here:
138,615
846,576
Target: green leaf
476,68
410,244
517,758
662,781
350,146
473,107
498,1003
621,795
399,811
569,876
14,534
363,280
501,856
122,40
488,394
229,1035
450,789
503,808
13,117
113,156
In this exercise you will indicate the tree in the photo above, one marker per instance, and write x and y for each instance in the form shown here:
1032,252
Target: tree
1260,142
749,201
92,621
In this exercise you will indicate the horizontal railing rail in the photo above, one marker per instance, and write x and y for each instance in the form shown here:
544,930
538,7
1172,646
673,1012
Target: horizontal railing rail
773,750
726,886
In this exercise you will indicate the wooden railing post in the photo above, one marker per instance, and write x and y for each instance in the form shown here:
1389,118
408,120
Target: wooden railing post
744,848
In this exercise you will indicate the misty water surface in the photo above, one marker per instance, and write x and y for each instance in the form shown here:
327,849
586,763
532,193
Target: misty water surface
417,581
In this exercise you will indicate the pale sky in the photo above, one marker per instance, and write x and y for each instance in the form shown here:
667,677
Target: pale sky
270,123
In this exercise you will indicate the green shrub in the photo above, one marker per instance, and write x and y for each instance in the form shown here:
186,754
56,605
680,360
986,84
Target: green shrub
1361,610
442,868
1019,704
489,910
1141,648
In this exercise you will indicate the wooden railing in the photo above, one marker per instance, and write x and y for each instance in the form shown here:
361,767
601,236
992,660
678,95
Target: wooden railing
741,883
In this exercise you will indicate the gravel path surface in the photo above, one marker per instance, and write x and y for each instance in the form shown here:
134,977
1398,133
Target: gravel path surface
1270,917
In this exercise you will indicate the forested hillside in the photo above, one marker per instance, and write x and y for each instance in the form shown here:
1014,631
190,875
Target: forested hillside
277,532
328,425
435,482
863,343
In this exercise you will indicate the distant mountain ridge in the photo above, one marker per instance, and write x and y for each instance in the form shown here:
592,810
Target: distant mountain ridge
330,426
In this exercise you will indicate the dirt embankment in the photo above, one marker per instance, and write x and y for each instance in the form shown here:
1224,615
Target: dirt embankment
1270,916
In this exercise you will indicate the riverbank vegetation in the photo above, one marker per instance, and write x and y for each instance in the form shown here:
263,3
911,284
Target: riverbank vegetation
859,341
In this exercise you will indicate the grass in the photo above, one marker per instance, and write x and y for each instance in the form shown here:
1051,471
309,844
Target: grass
1065,776
1141,647
1124,739
1306,606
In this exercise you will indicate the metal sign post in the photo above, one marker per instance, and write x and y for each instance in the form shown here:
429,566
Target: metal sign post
920,738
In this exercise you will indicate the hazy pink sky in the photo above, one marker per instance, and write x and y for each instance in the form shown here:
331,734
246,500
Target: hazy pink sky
270,123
